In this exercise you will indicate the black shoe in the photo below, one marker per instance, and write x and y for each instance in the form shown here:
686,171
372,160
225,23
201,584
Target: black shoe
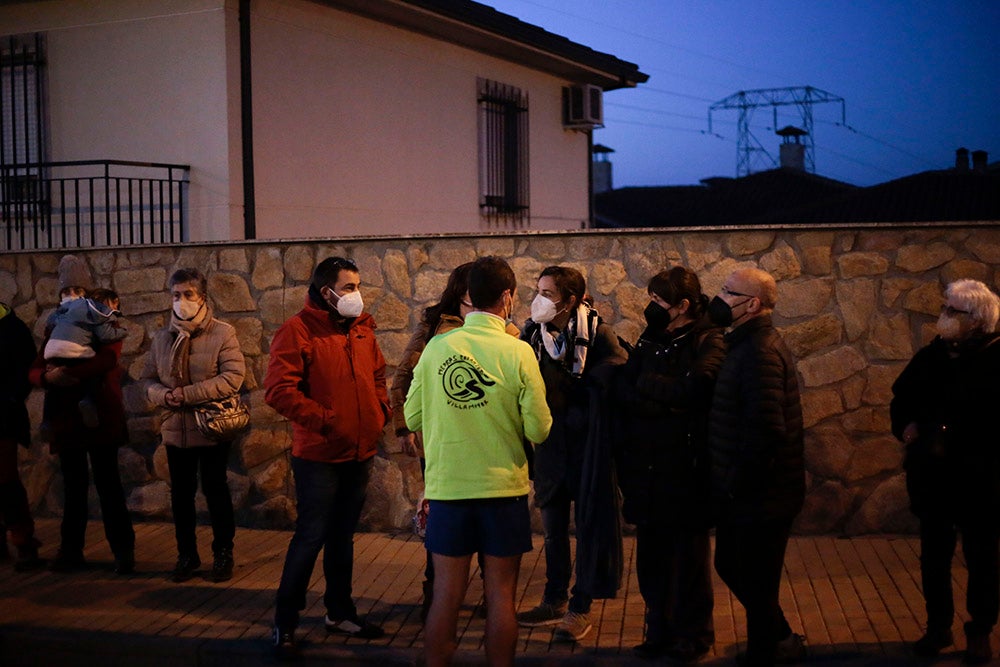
27,557
685,650
648,650
222,565
283,643
977,650
185,568
354,627
932,643
4,550
67,561
125,564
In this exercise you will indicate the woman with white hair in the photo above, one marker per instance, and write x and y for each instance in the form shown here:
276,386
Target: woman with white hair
943,409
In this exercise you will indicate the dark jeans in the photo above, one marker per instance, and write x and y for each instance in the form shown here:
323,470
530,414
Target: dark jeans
558,561
14,508
674,567
184,463
107,481
749,559
329,497
981,547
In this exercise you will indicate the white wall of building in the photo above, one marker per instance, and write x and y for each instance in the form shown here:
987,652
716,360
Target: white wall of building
145,81
362,128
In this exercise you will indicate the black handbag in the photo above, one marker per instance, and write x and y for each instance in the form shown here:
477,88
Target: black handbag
223,419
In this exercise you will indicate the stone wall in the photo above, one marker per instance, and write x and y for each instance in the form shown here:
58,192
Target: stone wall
854,305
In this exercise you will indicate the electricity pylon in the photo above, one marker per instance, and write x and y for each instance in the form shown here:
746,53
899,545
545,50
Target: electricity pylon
749,151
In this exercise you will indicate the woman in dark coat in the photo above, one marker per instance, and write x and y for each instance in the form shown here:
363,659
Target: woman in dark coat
944,409
75,443
665,391
576,352
18,348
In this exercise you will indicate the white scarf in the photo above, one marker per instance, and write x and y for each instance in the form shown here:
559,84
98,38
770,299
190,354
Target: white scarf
580,330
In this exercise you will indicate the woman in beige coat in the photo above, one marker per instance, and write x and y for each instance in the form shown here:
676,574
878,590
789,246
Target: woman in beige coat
194,359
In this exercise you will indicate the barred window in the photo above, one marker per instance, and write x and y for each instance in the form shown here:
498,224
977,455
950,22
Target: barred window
21,117
503,154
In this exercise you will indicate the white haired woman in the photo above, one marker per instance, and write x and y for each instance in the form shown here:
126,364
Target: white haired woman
943,409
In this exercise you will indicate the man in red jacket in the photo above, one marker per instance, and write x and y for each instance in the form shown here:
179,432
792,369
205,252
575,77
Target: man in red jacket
327,376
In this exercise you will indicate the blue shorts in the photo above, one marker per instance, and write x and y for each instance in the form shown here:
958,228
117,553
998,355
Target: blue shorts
495,526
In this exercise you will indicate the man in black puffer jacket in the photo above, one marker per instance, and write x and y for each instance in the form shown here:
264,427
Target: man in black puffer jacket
758,475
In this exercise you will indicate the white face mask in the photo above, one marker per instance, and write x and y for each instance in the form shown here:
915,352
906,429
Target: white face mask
187,310
69,297
543,309
350,304
949,328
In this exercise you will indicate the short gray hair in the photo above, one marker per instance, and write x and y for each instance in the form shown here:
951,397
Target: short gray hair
978,299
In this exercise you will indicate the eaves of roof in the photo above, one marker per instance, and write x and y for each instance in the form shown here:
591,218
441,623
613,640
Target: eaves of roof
484,29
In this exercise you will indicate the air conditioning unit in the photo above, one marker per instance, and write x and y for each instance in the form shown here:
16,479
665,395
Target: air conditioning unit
583,107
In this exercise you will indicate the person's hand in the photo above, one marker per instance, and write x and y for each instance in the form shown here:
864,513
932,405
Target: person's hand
910,433
175,397
59,377
408,443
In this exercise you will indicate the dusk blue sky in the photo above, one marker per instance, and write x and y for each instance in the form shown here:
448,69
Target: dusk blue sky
919,78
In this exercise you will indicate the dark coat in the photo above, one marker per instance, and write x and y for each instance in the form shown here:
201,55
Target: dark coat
952,392
61,409
665,391
559,459
755,428
577,453
18,351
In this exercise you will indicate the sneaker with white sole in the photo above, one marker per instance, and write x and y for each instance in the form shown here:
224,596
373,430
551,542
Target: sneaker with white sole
354,627
573,627
543,614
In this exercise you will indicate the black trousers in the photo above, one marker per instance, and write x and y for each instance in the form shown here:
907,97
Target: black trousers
184,463
674,567
981,547
107,481
749,558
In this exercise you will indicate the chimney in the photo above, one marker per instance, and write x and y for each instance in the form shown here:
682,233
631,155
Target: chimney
792,152
979,162
601,168
962,159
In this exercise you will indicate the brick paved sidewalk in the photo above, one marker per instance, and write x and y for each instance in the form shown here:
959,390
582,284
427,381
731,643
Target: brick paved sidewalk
857,600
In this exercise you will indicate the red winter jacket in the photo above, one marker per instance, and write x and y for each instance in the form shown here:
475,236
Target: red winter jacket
328,378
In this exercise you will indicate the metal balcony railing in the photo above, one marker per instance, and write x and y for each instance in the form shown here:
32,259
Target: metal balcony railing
92,203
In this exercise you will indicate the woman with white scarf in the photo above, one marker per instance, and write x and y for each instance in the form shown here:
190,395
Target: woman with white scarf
576,352
195,359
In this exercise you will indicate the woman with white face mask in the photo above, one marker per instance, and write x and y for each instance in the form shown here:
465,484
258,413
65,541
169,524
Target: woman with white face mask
943,409
576,352
195,359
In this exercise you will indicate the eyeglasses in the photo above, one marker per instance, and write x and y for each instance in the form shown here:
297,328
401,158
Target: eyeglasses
726,290
951,311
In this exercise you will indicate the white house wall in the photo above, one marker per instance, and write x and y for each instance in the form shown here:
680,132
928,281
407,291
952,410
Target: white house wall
362,128
146,81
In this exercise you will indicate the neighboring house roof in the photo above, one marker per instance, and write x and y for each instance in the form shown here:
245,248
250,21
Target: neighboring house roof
785,196
477,26
718,201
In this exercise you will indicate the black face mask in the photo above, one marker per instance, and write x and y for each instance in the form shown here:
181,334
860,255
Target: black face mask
657,317
721,313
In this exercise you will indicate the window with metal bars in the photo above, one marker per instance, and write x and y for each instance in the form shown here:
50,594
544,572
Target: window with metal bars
503,154
21,122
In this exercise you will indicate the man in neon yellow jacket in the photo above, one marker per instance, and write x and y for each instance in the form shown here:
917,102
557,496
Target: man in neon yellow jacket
477,394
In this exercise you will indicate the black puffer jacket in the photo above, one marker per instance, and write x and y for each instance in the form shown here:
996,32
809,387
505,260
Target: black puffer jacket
665,391
952,393
18,351
755,428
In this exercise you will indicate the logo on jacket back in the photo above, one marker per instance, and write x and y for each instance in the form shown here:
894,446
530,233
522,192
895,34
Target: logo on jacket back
464,382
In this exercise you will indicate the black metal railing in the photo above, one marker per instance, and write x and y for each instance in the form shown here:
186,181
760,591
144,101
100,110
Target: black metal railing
92,203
